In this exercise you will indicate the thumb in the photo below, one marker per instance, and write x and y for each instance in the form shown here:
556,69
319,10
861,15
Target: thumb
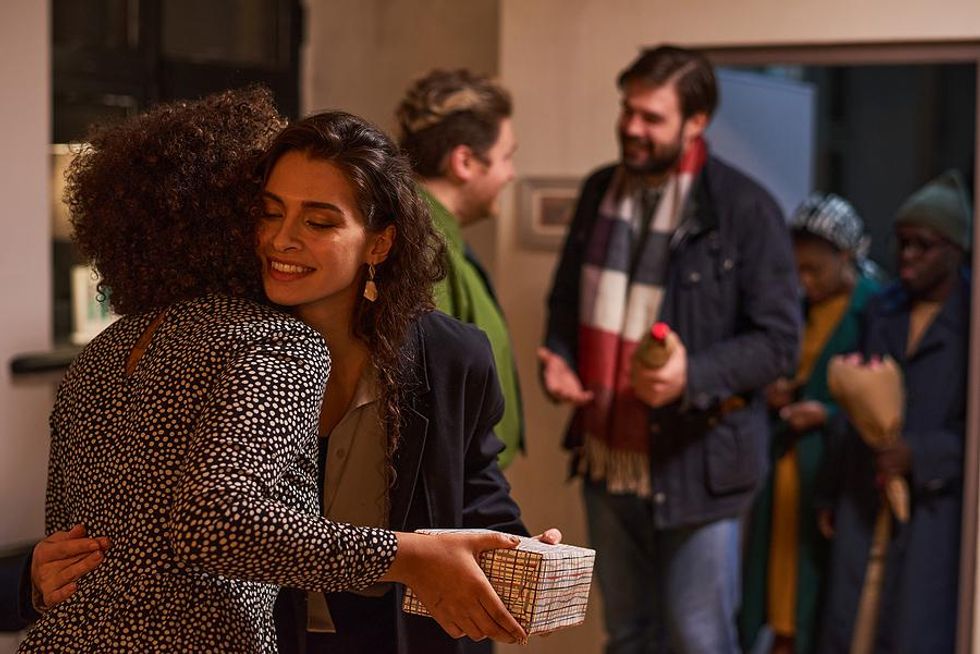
544,354
552,536
497,541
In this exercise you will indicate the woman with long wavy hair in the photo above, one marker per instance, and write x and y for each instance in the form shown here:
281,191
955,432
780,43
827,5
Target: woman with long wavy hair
406,430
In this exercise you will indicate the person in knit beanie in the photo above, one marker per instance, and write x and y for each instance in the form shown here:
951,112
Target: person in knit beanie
941,205
933,232
923,323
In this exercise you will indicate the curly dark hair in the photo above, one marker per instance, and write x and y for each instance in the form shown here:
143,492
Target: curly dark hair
446,109
160,202
386,194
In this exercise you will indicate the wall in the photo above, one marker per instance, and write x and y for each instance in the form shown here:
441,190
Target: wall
566,104
559,58
24,267
361,56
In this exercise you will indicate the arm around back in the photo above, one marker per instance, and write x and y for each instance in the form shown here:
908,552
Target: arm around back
260,416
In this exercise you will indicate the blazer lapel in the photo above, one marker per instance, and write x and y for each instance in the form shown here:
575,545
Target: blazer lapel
411,445
895,330
946,325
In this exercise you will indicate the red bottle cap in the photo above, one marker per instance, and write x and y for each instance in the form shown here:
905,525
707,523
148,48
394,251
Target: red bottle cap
659,331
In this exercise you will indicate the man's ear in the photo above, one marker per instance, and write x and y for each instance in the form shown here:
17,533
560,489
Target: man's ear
695,125
460,163
381,248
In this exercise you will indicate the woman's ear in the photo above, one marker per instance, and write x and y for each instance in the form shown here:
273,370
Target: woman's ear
381,248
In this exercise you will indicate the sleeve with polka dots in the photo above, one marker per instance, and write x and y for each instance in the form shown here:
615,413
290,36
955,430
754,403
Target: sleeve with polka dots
258,425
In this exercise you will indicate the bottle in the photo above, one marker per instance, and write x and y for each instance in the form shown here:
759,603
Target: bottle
657,346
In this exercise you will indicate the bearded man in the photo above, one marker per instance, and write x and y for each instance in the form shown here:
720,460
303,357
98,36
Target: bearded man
670,457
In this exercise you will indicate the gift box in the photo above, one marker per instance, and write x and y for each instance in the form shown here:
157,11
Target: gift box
545,587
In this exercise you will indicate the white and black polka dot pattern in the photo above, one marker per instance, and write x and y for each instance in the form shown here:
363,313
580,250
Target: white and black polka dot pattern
201,468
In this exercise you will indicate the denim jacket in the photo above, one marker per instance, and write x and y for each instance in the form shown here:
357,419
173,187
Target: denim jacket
731,296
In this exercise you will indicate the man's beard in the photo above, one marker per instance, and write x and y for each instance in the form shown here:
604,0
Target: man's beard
659,160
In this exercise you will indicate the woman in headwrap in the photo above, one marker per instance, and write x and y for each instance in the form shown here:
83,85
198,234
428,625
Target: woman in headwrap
786,551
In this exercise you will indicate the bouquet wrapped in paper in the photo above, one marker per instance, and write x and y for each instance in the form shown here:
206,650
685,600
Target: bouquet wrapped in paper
873,396
545,587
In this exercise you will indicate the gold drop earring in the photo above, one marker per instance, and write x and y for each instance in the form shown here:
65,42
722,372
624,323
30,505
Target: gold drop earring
370,288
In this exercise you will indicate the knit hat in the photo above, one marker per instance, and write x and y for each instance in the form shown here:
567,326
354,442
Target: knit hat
942,205
833,219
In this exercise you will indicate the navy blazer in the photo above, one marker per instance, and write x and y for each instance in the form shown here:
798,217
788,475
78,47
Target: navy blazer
446,475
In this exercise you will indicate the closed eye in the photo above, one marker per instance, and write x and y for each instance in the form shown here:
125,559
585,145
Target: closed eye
319,225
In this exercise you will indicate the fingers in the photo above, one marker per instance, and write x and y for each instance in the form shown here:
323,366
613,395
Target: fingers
496,611
478,632
496,541
447,625
60,595
494,620
486,626
61,559
47,552
479,619
552,536
561,382
78,531
445,575
74,571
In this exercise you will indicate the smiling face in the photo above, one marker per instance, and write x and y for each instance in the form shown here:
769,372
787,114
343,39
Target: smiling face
652,129
312,242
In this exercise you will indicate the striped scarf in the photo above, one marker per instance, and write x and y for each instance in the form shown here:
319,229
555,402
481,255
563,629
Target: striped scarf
621,297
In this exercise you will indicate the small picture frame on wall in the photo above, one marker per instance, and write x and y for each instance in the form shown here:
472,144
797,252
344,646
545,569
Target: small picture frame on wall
545,209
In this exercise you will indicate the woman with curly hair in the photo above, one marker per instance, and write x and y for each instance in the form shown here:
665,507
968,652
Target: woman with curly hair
346,242
185,432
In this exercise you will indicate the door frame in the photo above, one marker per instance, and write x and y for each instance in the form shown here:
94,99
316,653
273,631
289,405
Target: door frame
912,53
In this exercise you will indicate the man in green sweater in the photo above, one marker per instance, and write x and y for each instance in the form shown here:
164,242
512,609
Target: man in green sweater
456,130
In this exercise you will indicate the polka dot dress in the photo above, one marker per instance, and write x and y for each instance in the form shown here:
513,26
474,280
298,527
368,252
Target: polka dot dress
200,466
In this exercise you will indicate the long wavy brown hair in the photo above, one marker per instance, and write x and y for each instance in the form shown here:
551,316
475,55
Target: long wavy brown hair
386,194
160,203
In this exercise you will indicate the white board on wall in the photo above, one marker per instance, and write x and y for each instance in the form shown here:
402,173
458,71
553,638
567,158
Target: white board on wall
765,126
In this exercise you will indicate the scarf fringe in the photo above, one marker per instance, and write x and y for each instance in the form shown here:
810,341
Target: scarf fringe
624,472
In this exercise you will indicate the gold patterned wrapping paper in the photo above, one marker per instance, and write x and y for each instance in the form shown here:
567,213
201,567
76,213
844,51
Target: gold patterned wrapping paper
545,587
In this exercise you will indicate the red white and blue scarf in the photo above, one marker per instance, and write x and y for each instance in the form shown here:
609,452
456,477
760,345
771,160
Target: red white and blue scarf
621,295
